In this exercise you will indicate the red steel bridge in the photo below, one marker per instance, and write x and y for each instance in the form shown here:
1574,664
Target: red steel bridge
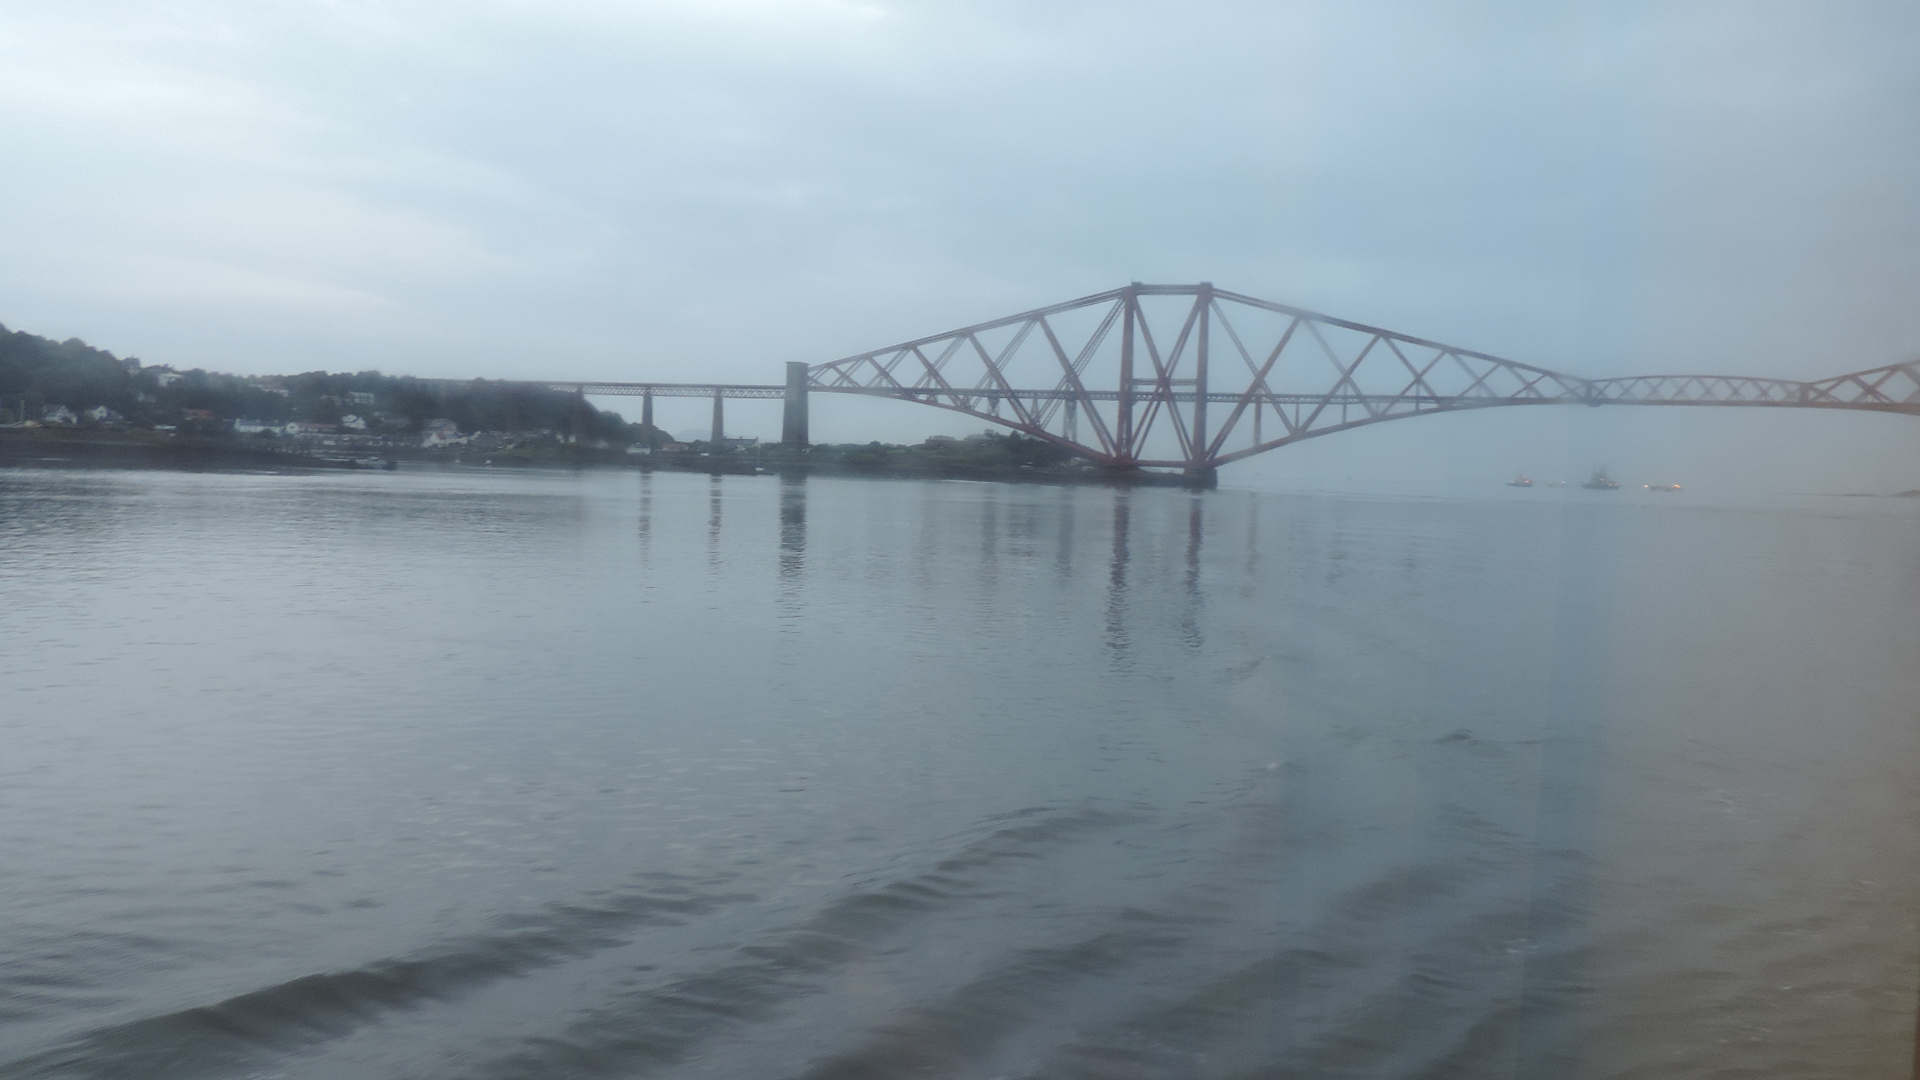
1194,377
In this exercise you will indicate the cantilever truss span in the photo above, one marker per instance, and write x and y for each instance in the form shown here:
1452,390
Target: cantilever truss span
1194,377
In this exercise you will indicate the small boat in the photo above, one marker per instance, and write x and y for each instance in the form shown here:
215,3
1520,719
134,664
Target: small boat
1600,481
1661,487
1522,480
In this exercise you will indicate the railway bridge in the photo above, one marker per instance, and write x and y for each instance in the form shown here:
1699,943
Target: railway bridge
1194,377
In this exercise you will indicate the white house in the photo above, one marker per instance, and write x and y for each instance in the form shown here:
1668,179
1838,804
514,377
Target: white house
440,433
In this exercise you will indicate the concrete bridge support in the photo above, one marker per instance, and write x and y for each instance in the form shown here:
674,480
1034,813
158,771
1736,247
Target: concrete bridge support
793,419
581,432
719,439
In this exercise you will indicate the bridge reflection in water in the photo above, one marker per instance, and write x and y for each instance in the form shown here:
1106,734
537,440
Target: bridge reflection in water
1534,909
1467,857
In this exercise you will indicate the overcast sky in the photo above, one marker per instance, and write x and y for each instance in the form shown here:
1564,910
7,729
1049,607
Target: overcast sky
705,189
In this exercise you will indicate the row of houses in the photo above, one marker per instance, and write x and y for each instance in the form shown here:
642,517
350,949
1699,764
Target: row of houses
376,430
291,428
433,433
61,416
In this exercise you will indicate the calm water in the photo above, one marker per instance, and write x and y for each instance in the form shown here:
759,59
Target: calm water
437,775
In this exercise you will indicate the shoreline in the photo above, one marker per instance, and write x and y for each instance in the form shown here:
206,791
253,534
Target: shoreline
135,449
56,448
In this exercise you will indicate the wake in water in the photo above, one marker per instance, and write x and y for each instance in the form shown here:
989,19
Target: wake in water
1005,956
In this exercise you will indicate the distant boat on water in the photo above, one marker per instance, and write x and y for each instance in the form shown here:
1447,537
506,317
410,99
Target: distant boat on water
1522,480
1600,481
1661,487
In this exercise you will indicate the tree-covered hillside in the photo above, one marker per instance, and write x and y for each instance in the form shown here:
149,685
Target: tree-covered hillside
38,375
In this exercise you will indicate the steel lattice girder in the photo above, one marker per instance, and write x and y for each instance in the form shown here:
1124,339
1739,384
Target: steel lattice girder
695,390
1193,376
1190,376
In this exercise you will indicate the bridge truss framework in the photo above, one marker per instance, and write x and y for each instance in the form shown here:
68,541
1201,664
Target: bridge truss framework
1194,377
